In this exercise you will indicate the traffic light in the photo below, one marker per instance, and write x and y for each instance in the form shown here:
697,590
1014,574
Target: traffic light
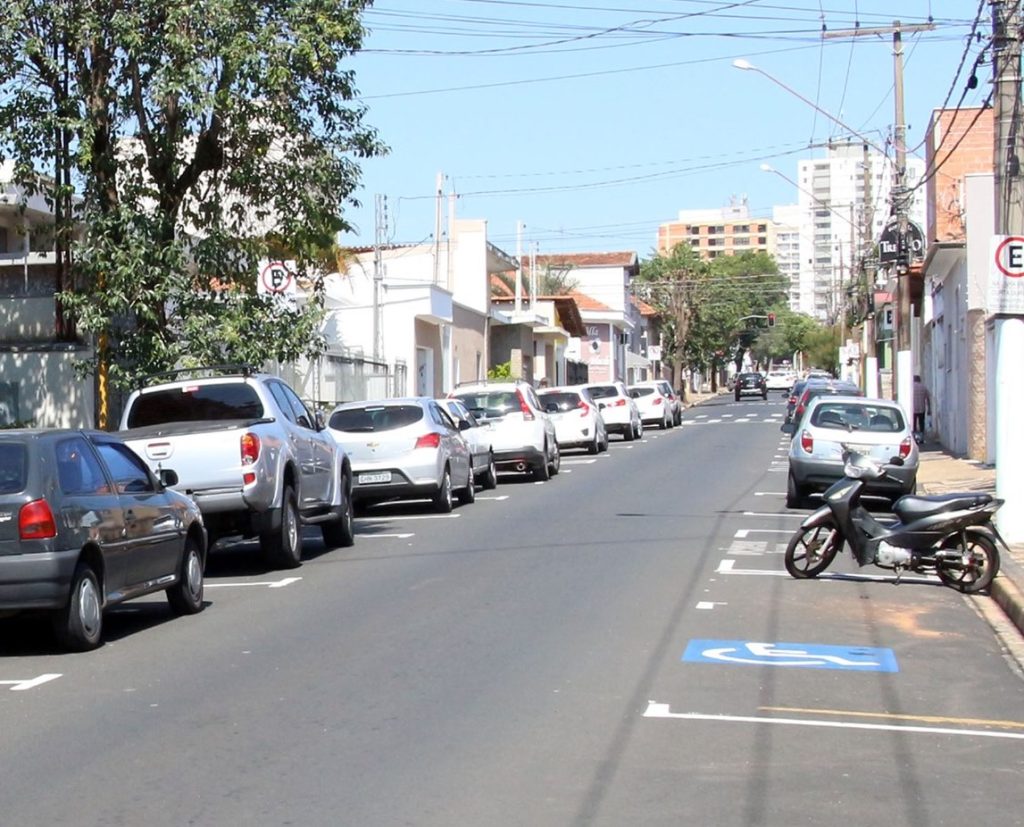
771,320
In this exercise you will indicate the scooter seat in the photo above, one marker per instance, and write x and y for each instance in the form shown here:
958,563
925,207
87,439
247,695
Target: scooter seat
914,508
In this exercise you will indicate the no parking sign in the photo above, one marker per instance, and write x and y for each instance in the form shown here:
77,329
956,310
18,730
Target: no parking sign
1006,274
277,279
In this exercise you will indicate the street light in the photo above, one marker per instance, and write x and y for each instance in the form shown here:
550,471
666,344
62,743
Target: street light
747,66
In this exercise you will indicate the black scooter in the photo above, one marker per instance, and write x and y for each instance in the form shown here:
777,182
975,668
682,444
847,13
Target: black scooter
951,535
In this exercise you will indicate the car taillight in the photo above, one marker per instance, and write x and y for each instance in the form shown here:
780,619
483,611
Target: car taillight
807,441
431,440
618,403
905,446
584,408
35,521
527,413
657,400
250,445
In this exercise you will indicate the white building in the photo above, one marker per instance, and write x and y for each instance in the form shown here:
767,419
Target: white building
786,248
836,200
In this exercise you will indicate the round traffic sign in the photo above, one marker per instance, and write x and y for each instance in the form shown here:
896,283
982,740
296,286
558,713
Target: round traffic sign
1009,257
276,277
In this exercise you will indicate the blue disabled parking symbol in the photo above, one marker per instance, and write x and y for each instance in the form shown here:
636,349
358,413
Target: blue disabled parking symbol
798,655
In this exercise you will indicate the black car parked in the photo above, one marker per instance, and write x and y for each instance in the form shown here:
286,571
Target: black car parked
750,383
84,525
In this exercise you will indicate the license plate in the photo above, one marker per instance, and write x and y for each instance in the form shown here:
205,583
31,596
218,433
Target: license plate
370,479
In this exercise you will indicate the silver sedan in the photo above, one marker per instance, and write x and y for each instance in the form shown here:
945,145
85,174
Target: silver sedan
404,449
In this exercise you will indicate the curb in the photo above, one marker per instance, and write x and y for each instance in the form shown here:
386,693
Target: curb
1005,590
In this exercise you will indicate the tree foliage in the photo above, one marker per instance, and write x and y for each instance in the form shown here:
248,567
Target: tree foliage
195,138
706,306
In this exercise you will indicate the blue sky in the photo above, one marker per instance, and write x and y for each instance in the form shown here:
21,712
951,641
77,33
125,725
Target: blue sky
592,121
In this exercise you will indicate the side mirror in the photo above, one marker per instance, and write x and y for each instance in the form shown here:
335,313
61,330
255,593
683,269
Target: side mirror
168,477
601,406
788,428
321,420
465,424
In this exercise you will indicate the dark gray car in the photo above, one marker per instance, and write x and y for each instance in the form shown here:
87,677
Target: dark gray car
84,525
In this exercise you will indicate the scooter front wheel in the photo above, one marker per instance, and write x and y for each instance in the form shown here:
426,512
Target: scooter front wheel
976,567
811,550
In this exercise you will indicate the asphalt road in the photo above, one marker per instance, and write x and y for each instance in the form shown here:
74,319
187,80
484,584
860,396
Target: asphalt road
620,645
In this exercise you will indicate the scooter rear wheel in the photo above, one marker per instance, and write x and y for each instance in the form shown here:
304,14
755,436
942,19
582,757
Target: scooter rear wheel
811,550
976,567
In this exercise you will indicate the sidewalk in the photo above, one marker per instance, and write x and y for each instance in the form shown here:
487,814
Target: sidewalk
941,472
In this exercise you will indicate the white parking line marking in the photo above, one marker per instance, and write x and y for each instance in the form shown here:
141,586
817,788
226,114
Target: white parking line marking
656,710
728,567
748,548
274,584
709,604
801,515
395,536
495,499
578,461
31,683
391,518
769,493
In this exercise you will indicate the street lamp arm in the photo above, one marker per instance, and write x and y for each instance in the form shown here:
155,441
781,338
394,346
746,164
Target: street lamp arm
747,66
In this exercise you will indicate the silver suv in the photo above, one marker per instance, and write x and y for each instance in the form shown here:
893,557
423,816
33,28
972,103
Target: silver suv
522,435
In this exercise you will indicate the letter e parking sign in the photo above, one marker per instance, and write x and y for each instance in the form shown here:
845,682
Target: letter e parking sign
1006,274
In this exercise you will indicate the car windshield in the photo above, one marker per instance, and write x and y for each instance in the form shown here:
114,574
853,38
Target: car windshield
858,417
564,401
603,391
491,404
195,403
376,418
13,467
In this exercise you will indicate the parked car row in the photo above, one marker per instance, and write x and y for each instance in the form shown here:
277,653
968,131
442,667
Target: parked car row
89,519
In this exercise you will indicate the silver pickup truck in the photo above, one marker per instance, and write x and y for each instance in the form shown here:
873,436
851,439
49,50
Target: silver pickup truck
250,453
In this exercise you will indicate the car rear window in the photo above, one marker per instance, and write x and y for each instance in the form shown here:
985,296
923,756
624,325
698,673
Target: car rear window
603,391
491,403
13,467
376,418
866,417
636,393
564,401
195,403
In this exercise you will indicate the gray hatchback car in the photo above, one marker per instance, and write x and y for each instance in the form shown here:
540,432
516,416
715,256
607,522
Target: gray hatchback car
84,525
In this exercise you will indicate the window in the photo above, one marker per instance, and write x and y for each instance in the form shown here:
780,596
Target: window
78,470
131,476
13,468
196,403
762,228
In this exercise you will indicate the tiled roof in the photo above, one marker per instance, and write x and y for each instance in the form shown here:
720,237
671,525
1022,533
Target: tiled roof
585,302
644,308
614,259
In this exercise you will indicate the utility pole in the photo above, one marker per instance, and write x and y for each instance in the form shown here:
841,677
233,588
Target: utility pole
903,366
379,234
1009,221
869,346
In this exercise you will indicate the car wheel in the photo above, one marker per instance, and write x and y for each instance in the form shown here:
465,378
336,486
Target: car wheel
629,434
595,446
555,465
442,499
764,396
490,479
282,547
737,394
794,493
186,596
79,625
467,495
664,423
339,533
542,471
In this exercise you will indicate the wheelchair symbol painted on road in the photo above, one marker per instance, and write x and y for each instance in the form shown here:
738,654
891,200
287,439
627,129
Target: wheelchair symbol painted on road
799,655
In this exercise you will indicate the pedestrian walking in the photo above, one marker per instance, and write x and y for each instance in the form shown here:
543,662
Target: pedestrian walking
922,406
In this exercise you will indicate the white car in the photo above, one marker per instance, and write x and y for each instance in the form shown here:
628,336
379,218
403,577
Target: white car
478,435
522,435
655,406
577,418
780,380
620,411
404,449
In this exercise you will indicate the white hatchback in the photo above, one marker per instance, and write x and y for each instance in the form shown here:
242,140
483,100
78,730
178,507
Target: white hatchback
620,411
577,418
655,406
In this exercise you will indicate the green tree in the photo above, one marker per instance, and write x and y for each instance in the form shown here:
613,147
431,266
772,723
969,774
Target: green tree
197,137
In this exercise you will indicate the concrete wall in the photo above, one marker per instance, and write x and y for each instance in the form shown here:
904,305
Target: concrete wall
469,352
41,387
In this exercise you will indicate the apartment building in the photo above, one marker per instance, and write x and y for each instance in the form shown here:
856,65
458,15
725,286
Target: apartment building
718,232
840,196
